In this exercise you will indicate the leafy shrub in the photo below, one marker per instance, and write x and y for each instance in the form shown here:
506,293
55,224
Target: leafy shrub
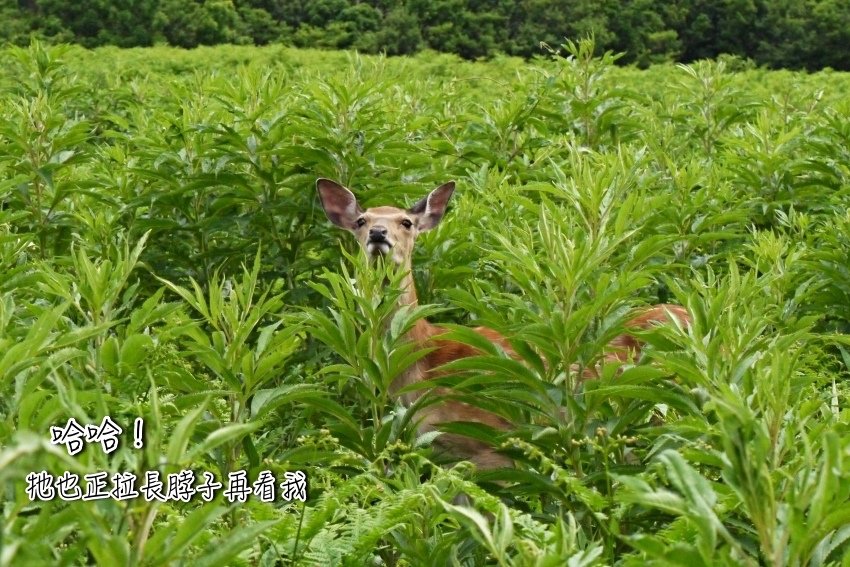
164,256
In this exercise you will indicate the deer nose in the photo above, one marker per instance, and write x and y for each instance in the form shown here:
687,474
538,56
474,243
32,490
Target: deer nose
377,234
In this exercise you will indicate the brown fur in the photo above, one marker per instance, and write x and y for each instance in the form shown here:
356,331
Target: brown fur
342,209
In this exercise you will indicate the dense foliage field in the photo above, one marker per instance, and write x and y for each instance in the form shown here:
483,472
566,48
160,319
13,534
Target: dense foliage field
164,256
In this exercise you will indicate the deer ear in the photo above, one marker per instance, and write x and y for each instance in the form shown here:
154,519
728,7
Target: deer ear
431,209
339,203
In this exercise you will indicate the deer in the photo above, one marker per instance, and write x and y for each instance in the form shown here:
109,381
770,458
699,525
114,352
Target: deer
389,233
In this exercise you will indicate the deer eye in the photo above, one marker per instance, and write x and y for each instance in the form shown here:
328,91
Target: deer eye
360,222
406,223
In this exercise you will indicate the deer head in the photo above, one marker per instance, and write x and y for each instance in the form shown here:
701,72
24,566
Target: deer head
388,232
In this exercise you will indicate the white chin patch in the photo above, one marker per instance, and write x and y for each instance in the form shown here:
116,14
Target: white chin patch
377,248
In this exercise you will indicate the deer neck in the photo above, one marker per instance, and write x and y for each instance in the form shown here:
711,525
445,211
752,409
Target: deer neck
420,334
422,330
408,297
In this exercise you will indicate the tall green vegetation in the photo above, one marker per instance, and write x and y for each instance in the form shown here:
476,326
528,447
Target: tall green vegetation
163,255
796,34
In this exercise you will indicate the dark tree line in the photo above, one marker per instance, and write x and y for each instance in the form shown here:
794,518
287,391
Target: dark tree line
809,34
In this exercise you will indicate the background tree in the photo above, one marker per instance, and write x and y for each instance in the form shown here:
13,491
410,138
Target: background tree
470,28
641,30
797,34
400,34
125,23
